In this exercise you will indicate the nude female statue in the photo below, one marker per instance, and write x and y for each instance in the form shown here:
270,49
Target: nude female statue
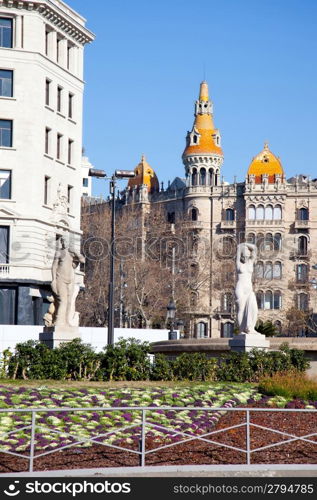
245,296
63,283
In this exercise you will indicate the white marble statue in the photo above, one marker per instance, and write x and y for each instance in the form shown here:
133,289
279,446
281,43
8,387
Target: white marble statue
64,285
245,296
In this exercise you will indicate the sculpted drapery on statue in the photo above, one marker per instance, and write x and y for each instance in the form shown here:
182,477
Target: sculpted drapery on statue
64,285
245,296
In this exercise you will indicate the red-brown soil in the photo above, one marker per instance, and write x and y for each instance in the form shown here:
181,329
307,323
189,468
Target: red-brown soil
196,452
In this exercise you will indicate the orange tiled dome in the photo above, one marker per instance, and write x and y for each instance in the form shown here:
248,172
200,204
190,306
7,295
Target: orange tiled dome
144,175
265,163
205,129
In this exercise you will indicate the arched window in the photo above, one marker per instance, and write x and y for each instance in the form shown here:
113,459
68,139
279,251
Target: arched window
228,246
269,242
201,330
303,214
195,139
301,273
277,242
251,212
277,270
260,300
259,270
229,214
269,212
194,214
260,242
193,299
302,301
268,271
203,176
194,177
227,302
277,212
210,177
302,245
260,212
278,326
251,238
268,300
227,330
277,300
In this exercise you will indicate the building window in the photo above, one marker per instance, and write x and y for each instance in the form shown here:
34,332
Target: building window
268,300
268,271
46,189
201,330
260,212
69,198
59,146
229,214
227,330
277,300
47,92
6,83
70,105
5,184
277,270
47,140
303,214
302,301
269,212
59,98
260,300
171,217
203,176
59,49
8,305
4,244
277,243
85,182
301,273
194,177
251,212
302,245
6,28
277,212
70,151
47,40
70,56
227,302
6,133
194,214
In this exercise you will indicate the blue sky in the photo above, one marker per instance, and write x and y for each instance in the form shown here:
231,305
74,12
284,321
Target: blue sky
144,68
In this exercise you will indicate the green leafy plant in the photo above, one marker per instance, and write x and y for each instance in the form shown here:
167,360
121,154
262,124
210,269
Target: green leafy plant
266,328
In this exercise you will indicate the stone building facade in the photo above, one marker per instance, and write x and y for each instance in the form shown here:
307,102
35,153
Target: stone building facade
41,98
278,215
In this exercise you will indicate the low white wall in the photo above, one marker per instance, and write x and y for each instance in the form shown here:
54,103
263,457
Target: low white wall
10,335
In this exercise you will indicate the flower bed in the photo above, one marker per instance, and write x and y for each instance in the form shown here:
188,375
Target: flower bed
57,429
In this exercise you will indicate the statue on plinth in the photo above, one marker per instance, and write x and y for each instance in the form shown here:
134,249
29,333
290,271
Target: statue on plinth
245,296
64,285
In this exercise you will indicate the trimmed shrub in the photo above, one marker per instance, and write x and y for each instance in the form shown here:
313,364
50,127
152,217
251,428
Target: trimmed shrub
128,359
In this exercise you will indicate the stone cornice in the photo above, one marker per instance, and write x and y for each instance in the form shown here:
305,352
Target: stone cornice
62,19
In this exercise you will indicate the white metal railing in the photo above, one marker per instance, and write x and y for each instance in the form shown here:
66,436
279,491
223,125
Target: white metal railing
146,423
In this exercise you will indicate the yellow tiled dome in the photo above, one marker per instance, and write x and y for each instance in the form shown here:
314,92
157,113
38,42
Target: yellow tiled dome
144,174
265,163
204,126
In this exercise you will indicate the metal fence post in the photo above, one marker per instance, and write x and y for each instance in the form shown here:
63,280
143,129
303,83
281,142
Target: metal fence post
248,438
32,441
142,443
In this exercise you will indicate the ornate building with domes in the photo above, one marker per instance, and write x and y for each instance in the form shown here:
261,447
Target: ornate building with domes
278,215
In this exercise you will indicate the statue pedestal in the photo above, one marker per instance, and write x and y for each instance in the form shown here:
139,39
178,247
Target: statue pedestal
53,336
245,342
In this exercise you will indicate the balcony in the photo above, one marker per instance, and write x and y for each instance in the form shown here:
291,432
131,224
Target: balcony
300,254
4,270
228,224
263,222
301,224
225,312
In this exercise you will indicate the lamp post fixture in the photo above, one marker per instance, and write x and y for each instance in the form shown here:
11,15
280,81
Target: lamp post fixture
171,313
118,174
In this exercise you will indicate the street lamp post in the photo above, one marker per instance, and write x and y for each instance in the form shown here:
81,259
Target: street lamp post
119,174
171,313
